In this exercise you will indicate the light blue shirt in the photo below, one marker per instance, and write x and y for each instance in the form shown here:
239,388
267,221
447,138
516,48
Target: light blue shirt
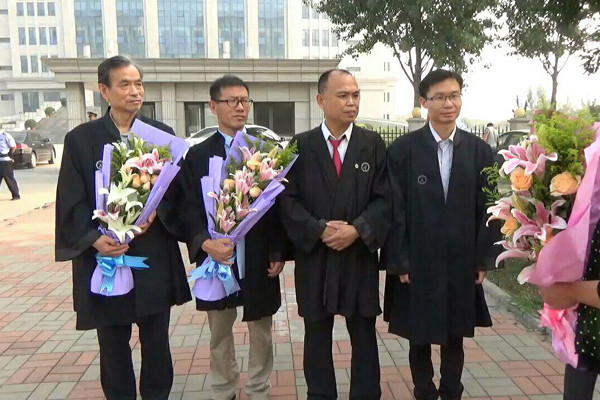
445,153
240,251
6,142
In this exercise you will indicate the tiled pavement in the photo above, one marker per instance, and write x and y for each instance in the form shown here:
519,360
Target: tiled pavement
43,357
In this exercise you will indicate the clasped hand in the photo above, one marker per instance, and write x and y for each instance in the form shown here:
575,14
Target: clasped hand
339,235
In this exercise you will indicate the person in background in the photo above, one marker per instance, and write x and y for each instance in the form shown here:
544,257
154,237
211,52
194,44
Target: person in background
7,147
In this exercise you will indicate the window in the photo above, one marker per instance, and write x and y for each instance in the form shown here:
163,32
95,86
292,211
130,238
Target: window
279,117
387,66
232,27
271,33
30,9
44,68
130,28
386,97
7,97
24,66
181,28
89,29
20,12
4,40
5,68
43,36
305,37
31,101
22,36
51,96
334,39
41,10
353,69
51,8
3,11
315,14
52,34
32,37
197,117
34,64
325,38
305,13
315,37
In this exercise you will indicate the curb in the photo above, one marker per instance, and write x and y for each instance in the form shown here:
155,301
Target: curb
505,301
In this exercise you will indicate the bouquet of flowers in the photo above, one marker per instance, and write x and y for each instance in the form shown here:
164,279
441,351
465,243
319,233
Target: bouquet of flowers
237,193
131,183
549,178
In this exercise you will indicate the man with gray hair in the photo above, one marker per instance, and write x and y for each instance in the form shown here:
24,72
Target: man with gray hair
78,239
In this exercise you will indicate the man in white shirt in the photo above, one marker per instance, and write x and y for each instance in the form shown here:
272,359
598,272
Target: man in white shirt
7,147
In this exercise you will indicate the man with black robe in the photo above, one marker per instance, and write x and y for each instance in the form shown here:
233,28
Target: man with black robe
439,247
261,251
78,239
335,210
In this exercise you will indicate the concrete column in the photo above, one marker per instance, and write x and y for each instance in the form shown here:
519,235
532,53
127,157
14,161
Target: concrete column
519,124
169,105
252,50
75,104
316,114
415,123
211,35
66,29
109,19
293,29
151,28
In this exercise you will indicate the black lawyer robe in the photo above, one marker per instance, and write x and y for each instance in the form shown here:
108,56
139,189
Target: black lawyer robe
157,288
260,295
441,244
328,281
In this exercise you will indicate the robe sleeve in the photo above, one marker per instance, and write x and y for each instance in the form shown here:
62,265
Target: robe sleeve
486,251
374,222
277,236
395,251
75,231
302,228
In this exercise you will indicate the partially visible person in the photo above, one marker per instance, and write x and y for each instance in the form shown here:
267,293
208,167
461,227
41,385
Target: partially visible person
7,147
92,116
490,135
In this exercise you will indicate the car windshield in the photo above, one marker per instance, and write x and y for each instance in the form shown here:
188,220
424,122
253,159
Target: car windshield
18,136
264,132
204,132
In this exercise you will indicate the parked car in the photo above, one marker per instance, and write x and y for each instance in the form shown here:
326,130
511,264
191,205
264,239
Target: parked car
254,130
32,148
507,139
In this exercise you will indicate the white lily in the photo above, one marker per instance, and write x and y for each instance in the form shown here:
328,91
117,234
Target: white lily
122,230
117,194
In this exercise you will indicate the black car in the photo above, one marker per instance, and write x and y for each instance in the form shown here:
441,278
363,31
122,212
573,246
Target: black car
32,148
505,140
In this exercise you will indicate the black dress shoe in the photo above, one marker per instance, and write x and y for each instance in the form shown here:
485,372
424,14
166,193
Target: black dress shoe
16,198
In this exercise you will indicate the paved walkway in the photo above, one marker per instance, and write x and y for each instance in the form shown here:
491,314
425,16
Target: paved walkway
43,357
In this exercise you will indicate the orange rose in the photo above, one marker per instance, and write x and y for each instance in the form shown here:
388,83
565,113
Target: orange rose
520,182
510,226
564,184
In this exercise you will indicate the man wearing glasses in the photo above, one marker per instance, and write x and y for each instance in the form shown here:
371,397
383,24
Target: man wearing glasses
439,246
260,252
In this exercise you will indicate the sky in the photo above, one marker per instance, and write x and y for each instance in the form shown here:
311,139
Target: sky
491,92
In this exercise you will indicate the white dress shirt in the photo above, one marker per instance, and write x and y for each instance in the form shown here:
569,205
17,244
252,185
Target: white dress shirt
445,153
343,146
6,143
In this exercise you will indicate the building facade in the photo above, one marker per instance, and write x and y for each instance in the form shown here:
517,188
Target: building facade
174,30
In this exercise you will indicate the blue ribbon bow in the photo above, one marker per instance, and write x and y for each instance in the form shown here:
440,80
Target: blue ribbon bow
211,269
109,266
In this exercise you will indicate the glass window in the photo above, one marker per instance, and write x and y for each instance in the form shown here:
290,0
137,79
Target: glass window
24,65
4,40
305,37
7,97
181,28
51,8
32,36
325,37
31,101
315,14
41,10
22,37
130,28
305,13
232,27
44,68
88,27
315,37
30,9
43,36
20,12
34,64
279,117
271,33
53,36
51,96
334,39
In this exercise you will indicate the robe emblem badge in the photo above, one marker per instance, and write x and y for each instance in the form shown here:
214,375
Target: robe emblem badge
365,167
99,164
422,179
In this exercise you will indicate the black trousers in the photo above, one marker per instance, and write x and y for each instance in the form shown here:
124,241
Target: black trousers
116,367
421,368
6,173
579,385
318,359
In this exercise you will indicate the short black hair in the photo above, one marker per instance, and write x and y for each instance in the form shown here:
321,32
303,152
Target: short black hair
223,82
324,78
111,64
437,76
490,124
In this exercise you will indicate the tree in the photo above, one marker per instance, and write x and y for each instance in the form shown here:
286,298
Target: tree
422,33
49,111
550,31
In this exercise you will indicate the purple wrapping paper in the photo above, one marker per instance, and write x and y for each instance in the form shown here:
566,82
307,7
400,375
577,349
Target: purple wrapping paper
124,278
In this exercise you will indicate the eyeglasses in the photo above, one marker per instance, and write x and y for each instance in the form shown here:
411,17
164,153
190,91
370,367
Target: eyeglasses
233,103
441,99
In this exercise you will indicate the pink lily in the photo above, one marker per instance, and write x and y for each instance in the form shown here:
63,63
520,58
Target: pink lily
247,153
529,155
501,210
513,250
267,171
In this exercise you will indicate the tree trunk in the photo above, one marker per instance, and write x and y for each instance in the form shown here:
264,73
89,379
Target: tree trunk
417,77
555,72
